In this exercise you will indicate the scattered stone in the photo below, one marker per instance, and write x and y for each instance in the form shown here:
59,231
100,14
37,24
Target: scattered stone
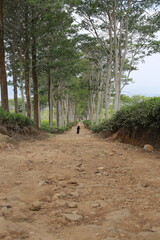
156,229
13,198
73,183
72,205
74,194
148,148
74,217
36,206
7,139
18,182
145,185
99,174
5,212
79,165
3,228
105,173
46,199
63,185
61,203
81,169
8,238
110,154
119,215
41,183
59,195
101,168
19,216
95,205
3,198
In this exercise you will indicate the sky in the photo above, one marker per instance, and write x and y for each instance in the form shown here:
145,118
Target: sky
146,79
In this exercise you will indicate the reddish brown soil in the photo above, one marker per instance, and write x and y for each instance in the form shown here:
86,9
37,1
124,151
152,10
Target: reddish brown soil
79,187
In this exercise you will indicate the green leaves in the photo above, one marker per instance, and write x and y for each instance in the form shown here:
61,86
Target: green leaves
14,120
56,130
140,115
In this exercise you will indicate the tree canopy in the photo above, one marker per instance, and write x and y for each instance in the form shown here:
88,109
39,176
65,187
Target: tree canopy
74,57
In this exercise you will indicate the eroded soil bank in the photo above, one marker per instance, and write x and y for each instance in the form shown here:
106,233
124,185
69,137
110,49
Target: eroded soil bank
79,187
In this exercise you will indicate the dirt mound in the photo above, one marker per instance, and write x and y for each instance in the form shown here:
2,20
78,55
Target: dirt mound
19,133
138,138
6,141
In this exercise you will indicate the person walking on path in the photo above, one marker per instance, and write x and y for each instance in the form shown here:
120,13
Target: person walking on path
78,129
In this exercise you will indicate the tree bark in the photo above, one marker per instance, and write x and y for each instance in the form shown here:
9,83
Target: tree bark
50,98
27,77
57,113
14,71
3,77
109,66
15,90
116,55
21,83
34,74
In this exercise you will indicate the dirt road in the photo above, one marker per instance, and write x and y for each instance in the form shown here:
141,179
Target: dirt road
79,187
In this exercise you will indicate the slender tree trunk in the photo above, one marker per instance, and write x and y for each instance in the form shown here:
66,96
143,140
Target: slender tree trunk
57,114
39,114
109,67
66,111
14,70
34,74
119,57
3,77
99,97
50,98
60,114
15,90
116,75
108,86
21,83
70,111
27,77
117,83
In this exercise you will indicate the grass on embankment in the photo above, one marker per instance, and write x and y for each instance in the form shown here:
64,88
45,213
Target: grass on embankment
13,123
137,124
56,130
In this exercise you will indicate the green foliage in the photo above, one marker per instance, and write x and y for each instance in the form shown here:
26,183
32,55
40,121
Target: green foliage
140,115
55,130
128,101
87,123
14,119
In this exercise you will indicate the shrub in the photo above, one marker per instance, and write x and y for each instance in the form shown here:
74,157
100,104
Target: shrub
87,123
140,115
54,129
14,119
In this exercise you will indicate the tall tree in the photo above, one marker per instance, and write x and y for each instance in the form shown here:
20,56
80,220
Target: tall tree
115,24
3,77
34,68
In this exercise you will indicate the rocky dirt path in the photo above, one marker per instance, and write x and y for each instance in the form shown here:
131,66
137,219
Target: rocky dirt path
79,187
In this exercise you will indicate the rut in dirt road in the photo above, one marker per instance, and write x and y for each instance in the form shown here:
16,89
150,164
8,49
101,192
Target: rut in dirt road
79,187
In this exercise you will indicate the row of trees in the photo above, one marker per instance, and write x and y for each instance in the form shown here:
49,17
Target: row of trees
73,56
